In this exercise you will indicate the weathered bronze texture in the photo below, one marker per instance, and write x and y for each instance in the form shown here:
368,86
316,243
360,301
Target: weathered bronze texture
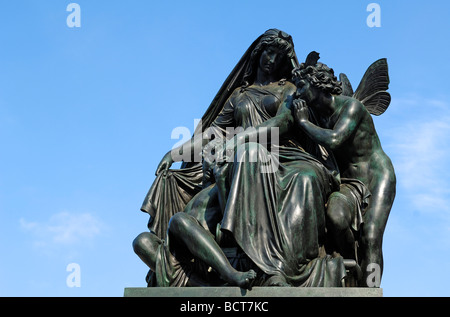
284,183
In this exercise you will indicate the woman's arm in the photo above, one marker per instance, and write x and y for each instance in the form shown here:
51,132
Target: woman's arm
191,150
185,152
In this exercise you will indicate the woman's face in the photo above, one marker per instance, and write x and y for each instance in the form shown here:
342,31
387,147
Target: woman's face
270,59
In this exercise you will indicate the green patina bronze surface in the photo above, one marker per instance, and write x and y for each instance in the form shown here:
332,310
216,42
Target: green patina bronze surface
284,183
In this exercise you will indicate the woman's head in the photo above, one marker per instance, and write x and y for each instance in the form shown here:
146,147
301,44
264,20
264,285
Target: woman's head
277,38
272,39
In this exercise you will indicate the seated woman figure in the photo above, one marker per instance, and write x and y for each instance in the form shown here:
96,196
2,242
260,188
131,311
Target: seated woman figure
270,193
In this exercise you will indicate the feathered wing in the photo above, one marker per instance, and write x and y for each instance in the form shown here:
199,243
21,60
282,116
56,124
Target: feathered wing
372,88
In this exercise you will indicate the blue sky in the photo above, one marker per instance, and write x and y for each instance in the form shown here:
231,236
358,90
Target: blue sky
87,113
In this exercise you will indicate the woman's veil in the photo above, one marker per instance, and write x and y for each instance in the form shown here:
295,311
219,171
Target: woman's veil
236,78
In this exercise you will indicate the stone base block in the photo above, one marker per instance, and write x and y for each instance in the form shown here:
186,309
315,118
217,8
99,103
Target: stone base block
255,292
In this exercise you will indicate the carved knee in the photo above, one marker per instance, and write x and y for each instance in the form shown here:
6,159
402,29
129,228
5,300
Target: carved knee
338,212
178,222
141,241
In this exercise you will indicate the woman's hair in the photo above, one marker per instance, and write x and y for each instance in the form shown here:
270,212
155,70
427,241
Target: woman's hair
282,41
320,76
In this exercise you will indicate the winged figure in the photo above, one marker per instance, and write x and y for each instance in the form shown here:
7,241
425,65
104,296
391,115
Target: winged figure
345,127
371,90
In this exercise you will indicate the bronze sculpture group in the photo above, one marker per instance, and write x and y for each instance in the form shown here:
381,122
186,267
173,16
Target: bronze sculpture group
284,182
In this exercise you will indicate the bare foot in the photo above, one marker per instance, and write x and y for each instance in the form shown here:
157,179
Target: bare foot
243,279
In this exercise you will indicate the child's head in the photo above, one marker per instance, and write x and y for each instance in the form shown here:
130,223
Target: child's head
318,75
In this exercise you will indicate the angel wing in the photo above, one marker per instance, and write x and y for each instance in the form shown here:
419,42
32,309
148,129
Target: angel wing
371,90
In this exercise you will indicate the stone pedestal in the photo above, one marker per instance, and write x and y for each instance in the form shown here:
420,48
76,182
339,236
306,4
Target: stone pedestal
236,292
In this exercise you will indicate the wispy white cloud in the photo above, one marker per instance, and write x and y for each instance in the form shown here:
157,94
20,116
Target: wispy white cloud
63,229
421,150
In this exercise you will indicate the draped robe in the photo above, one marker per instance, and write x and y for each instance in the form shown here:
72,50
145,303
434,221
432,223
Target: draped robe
275,203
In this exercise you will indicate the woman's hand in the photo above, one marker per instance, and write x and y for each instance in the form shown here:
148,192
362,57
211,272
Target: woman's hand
165,164
212,153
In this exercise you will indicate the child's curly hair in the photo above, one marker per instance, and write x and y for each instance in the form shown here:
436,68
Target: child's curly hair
320,76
